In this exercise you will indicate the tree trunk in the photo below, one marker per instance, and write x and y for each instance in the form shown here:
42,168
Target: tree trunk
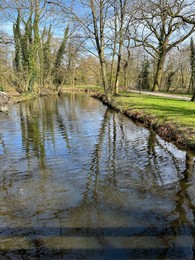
116,85
159,72
193,96
126,66
193,87
125,76
104,74
99,39
122,6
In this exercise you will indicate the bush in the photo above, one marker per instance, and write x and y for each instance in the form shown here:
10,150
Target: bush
1,88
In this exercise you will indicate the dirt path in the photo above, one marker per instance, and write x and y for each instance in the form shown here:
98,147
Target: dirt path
160,94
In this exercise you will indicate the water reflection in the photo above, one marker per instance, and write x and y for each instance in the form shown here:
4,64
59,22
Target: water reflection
82,181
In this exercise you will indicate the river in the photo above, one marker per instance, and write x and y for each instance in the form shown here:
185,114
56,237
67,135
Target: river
81,181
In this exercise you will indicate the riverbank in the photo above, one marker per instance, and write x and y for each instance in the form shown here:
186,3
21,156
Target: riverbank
7,99
172,119
11,96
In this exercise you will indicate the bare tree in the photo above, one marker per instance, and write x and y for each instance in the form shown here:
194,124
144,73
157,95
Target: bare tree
159,31
99,11
104,23
188,15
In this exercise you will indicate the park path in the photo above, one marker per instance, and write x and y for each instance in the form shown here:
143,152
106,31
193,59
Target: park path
160,94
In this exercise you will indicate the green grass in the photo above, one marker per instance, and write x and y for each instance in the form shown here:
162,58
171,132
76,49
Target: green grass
162,111
165,109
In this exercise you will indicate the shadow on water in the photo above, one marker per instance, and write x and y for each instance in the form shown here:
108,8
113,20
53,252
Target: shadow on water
86,182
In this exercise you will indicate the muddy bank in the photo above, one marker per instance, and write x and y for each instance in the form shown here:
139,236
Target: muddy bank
13,97
169,131
5,101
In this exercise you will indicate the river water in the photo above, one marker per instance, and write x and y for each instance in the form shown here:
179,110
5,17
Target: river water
80,181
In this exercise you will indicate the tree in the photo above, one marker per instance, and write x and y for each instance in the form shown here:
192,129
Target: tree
126,61
28,47
59,60
104,23
192,62
47,55
120,13
33,62
99,11
188,16
143,78
160,31
18,47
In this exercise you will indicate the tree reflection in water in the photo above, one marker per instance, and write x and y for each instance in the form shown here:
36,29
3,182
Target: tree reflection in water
87,182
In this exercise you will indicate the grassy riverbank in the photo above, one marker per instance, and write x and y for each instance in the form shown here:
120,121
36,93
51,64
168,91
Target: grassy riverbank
172,119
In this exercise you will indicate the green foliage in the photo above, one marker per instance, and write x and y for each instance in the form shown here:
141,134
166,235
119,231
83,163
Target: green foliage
143,79
61,50
192,62
1,88
169,79
33,61
26,43
59,58
18,47
47,56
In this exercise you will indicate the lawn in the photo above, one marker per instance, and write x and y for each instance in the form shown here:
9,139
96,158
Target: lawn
165,109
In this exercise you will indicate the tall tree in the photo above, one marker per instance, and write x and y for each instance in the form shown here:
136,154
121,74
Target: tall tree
33,54
120,14
160,31
188,15
18,47
143,78
47,55
99,10
192,62
59,58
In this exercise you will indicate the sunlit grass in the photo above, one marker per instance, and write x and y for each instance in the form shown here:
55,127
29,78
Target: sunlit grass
163,110
177,111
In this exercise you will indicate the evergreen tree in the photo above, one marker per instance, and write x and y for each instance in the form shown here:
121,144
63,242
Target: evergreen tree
59,57
169,79
33,57
192,62
61,50
143,78
18,50
47,55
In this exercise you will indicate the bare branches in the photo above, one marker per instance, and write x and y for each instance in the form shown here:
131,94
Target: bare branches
161,29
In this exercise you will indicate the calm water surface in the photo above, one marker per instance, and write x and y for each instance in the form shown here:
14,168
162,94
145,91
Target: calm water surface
80,181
